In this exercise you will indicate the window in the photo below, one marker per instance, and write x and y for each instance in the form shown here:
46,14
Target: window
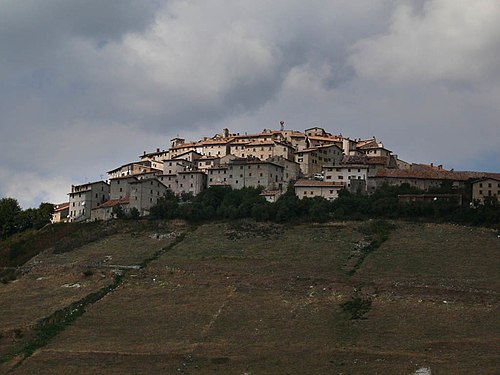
341,177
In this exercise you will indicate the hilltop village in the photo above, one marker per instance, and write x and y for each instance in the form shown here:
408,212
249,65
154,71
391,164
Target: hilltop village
315,162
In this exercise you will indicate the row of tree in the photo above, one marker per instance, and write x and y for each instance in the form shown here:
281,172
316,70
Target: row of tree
226,203
14,219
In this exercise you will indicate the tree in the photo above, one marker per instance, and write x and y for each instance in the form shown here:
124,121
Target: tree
9,211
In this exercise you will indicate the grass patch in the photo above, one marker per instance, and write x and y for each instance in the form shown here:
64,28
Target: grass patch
376,232
357,307
49,327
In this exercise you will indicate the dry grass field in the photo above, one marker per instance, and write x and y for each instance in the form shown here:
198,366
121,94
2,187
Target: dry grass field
254,298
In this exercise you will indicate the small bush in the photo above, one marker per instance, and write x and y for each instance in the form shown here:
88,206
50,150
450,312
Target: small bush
357,307
88,272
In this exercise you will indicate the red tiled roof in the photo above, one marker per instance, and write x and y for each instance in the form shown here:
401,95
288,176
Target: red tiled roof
317,183
113,202
61,206
377,160
328,139
433,174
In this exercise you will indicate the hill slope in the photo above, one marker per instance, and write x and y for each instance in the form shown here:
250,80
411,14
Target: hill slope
245,297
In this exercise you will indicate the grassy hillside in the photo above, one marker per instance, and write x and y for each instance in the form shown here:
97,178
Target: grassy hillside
258,298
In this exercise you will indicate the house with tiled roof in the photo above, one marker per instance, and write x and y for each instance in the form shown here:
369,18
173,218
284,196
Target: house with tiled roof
83,198
107,210
61,213
119,187
486,188
262,149
145,193
421,179
314,188
312,160
134,168
247,172
352,176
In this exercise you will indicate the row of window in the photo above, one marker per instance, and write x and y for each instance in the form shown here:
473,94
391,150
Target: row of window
490,193
489,184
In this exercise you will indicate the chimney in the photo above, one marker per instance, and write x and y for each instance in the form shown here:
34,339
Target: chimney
225,132
157,150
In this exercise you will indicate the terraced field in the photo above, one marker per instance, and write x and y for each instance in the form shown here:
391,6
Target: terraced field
254,298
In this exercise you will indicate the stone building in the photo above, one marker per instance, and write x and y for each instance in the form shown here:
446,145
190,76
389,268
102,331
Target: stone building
312,160
144,194
251,172
193,182
120,186
83,198
106,210
352,176
262,149
314,188
291,169
61,213
134,168
486,188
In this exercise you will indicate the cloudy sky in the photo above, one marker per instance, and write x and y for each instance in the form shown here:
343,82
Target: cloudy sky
87,85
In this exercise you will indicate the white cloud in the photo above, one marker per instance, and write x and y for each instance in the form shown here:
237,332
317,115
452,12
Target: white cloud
450,40
31,188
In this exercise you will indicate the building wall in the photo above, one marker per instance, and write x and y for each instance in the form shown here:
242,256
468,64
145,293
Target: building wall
311,161
60,216
106,213
345,173
191,182
215,149
329,193
145,193
486,188
240,175
120,187
173,166
132,169
85,197
422,184
205,164
291,169
376,152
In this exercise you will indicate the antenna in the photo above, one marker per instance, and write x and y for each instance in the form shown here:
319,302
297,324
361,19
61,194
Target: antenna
282,125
